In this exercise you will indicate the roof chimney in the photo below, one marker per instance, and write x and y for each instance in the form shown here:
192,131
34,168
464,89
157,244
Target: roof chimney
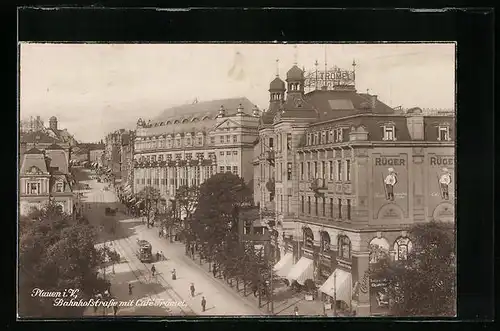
373,99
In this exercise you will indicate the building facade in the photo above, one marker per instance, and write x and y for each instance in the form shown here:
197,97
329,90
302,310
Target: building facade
43,177
188,144
127,159
112,152
344,171
96,154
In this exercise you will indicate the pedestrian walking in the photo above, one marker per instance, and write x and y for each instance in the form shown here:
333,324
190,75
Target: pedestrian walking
192,250
115,309
174,275
153,270
157,256
192,289
161,255
159,233
296,311
203,303
130,289
214,270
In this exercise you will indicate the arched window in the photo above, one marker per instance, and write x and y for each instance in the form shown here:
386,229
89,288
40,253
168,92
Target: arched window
205,118
325,242
308,238
194,119
168,122
344,246
185,120
378,247
176,122
402,247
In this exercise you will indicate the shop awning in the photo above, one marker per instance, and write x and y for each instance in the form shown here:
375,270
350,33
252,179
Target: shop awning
338,285
284,265
304,269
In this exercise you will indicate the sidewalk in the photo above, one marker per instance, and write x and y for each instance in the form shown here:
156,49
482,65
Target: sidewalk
284,299
220,300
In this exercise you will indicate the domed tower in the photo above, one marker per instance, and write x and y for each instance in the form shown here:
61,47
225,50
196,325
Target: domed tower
276,90
295,81
53,123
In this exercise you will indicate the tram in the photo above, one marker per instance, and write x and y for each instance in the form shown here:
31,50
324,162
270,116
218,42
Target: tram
145,251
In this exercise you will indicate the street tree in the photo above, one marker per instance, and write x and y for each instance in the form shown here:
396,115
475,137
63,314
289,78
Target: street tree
217,211
150,197
56,253
186,200
425,283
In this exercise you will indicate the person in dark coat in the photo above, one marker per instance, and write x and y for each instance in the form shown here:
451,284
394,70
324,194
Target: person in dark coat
203,303
115,309
130,289
174,275
153,270
192,289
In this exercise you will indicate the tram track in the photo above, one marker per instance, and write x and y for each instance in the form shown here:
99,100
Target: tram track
143,275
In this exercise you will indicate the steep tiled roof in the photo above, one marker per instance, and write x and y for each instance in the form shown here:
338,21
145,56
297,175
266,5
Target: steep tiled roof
39,137
295,73
202,109
336,104
33,160
58,159
54,147
195,118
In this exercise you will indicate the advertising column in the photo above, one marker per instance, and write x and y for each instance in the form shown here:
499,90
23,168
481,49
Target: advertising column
361,279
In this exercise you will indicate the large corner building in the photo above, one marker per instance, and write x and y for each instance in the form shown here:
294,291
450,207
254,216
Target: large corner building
344,171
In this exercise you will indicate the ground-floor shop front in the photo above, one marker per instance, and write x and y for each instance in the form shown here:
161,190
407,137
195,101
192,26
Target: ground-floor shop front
332,275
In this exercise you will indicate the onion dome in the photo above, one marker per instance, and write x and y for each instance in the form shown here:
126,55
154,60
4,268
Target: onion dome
277,84
295,73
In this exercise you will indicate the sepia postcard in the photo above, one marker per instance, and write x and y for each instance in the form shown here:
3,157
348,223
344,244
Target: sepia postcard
173,180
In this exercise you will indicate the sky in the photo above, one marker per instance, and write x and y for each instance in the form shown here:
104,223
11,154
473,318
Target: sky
94,89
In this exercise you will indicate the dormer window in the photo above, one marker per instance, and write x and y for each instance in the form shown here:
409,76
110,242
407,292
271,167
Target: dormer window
443,133
59,187
178,142
389,132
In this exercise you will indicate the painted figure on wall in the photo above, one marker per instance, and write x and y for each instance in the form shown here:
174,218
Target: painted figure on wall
444,183
390,181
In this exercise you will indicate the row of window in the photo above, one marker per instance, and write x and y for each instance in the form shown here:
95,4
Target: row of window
333,170
402,246
183,142
320,207
34,188
341,135
187,173
178,156
283,142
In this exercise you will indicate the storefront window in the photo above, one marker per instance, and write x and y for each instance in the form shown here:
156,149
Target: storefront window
378,248
325,242
344,245
402,248
308,238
